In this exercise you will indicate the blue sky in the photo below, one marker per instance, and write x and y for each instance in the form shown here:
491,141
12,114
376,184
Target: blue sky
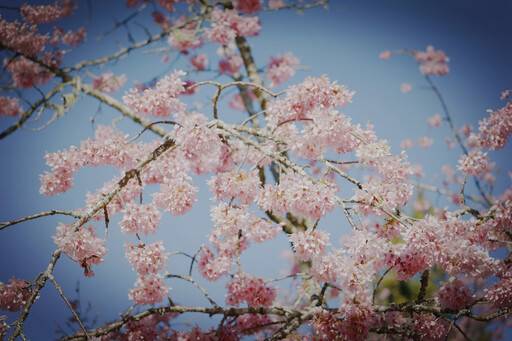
343,43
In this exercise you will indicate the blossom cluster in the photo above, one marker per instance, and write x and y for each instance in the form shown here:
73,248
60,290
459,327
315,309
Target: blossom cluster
298,195
200,61
139,219
146,259
185,37
26,73
23,39
474,163
248,6
159,102
108,83
9,106
149,290
82,245
352,323
107,148
500,294
229,220
301,99
227,24
231,64
14,296
455,295
281,68
310,244
451,244
36,15
250,289
496,129
211,267
432,62
381,195
243,186
71,38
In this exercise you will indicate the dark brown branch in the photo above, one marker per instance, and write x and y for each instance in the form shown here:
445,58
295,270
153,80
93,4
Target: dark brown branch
424,285
183,309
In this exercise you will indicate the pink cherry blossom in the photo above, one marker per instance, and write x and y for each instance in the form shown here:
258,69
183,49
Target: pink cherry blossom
276,4
432,62
146,259
382,196
158,102
496,129
231,65
242,153
211,267
200,61
421,205
3,326
260,229
185,38
248,324
425,142
429,327
229,245
455,295
198,140
242,185
326,268
229,220
500,294
73,38
310,244
406,144
176,196
251,290
371,152
82,246
55,183
23,39
140,219
36,15
149,290
466,130
226,24
108,83
308,199
301,99
15,295
447,243
474,163
435,121
385,55
405,88
26,73
248,6
9,106
281,68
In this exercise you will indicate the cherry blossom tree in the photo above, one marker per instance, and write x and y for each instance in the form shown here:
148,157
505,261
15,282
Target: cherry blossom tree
281,169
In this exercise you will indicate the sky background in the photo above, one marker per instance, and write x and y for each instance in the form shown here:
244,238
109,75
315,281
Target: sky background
343,42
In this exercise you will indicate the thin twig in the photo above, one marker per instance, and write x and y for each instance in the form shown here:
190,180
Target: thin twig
378,283
39,215
191,280
61,293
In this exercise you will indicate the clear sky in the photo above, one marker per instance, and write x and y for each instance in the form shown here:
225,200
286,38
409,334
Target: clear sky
343,43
